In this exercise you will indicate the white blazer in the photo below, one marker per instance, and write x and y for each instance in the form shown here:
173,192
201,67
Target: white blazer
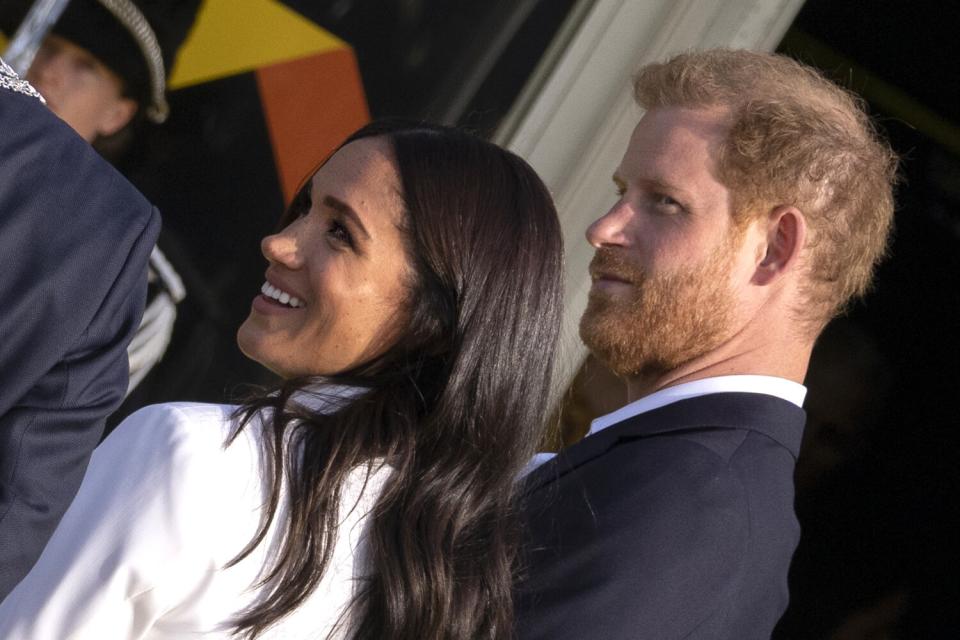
163,507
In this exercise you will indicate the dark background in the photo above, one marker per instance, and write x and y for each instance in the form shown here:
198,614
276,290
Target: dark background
878,554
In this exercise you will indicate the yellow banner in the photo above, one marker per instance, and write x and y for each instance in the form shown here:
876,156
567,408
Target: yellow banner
236,36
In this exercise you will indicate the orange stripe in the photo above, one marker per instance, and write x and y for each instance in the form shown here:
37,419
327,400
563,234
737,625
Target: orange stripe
310,106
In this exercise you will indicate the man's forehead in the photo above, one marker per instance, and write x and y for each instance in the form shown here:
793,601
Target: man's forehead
673,140
663,127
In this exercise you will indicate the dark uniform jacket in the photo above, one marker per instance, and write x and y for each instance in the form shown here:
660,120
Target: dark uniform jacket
75,238
677,523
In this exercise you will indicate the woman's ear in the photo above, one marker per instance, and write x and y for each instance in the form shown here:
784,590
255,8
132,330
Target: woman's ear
786,235
116,116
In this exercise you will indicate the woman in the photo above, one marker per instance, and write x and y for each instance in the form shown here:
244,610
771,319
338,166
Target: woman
411,305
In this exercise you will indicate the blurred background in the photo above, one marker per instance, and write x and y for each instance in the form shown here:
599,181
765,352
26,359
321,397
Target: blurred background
261,91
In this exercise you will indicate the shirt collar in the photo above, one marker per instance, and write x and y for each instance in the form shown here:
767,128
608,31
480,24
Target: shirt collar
770,385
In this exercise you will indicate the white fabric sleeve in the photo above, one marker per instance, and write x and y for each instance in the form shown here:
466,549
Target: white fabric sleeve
140,538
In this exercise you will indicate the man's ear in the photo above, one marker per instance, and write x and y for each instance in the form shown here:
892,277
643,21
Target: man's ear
786,236
116,117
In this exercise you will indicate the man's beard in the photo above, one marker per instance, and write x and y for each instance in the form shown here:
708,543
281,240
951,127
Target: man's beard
666,320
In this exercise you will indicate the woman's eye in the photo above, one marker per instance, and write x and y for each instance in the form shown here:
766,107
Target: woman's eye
339,233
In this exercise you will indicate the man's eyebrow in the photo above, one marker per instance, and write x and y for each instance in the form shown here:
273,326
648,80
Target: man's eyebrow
652,183
661,185
343,208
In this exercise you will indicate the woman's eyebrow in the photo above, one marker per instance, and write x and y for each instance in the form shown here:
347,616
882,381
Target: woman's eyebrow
345,209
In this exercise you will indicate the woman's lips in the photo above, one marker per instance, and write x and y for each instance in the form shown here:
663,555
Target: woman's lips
269,306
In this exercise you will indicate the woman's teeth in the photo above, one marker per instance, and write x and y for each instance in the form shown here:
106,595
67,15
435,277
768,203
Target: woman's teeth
280,296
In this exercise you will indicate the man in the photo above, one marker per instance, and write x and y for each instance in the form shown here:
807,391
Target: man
103,72
755,200
75,238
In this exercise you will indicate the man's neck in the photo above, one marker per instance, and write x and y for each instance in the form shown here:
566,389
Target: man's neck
790,364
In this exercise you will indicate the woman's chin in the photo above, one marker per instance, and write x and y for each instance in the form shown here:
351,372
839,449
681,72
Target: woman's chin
249,343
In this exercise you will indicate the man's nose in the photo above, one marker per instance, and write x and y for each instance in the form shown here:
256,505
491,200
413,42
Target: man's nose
611,228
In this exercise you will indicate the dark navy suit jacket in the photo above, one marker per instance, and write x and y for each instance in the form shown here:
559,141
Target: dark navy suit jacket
676,523
74,242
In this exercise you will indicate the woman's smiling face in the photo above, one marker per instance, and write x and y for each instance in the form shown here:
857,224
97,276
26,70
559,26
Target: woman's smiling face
337,278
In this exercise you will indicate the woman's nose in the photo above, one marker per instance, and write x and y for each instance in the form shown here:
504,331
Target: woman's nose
282,248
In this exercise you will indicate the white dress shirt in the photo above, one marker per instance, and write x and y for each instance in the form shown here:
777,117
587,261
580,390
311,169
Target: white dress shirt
164,506
770,385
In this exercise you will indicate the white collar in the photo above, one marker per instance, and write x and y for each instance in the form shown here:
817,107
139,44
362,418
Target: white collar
770,385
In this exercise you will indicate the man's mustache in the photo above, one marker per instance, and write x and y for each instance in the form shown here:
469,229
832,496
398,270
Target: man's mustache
611,264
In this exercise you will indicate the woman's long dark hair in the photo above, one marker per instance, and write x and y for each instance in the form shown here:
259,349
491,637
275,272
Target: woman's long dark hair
455,405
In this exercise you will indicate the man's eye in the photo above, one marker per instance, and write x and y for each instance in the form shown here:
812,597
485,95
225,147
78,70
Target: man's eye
665,203
619,190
